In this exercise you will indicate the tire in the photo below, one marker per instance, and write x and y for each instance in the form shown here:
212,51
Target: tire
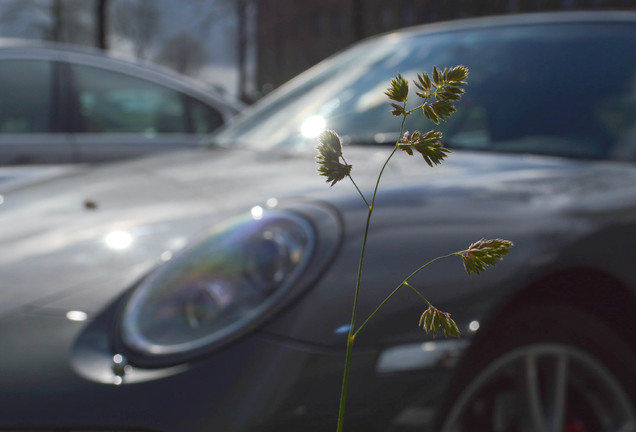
545,369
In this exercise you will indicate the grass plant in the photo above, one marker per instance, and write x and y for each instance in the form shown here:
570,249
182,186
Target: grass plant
437,93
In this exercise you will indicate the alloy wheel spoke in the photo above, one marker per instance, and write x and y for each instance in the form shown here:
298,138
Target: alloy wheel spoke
540,388
559,392
533,394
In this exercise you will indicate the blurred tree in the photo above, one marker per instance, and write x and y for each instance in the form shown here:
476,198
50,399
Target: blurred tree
16,11
58,20
137,20
239,10
183,53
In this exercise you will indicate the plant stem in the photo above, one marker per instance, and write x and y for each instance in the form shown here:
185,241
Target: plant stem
419,295
351,335
354,183
405,282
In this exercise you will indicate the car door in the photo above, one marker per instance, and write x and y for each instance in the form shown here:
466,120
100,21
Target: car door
119,115
31,113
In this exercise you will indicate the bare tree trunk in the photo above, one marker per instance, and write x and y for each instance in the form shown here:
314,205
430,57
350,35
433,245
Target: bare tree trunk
102,21
241,9
57,13
357,20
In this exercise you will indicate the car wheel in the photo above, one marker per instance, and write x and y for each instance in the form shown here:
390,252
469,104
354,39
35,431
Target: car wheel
550,369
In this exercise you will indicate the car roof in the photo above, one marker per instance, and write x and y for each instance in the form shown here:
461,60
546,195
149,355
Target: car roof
33,48
560,17
495,21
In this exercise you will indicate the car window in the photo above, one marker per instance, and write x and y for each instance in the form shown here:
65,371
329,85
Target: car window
204,118
556,89
563,90
25,96
112,102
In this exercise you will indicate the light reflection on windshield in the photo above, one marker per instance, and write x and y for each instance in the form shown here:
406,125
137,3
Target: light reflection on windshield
313,126
519,99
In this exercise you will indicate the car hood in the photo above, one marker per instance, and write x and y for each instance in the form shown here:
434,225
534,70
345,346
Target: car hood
81,239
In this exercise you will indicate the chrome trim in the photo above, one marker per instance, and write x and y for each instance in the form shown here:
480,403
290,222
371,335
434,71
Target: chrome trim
442,353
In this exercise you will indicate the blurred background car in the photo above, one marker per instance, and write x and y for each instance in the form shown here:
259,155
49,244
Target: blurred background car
64,104
210,289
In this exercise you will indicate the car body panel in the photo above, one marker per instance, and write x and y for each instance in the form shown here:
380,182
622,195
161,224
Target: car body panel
291,346
518,195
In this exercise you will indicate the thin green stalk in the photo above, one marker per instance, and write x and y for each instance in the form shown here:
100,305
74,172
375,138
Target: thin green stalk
419,269
417,108
419,294
356,186
378,308
351,336
386,162
405,282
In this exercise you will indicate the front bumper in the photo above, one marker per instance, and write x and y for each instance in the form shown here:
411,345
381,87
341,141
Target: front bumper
63,375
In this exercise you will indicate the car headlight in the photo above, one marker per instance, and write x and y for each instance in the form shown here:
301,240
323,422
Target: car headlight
220,287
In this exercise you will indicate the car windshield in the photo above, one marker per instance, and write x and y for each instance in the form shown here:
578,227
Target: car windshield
566,89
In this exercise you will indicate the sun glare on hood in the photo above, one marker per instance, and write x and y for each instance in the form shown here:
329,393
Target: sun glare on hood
118,240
